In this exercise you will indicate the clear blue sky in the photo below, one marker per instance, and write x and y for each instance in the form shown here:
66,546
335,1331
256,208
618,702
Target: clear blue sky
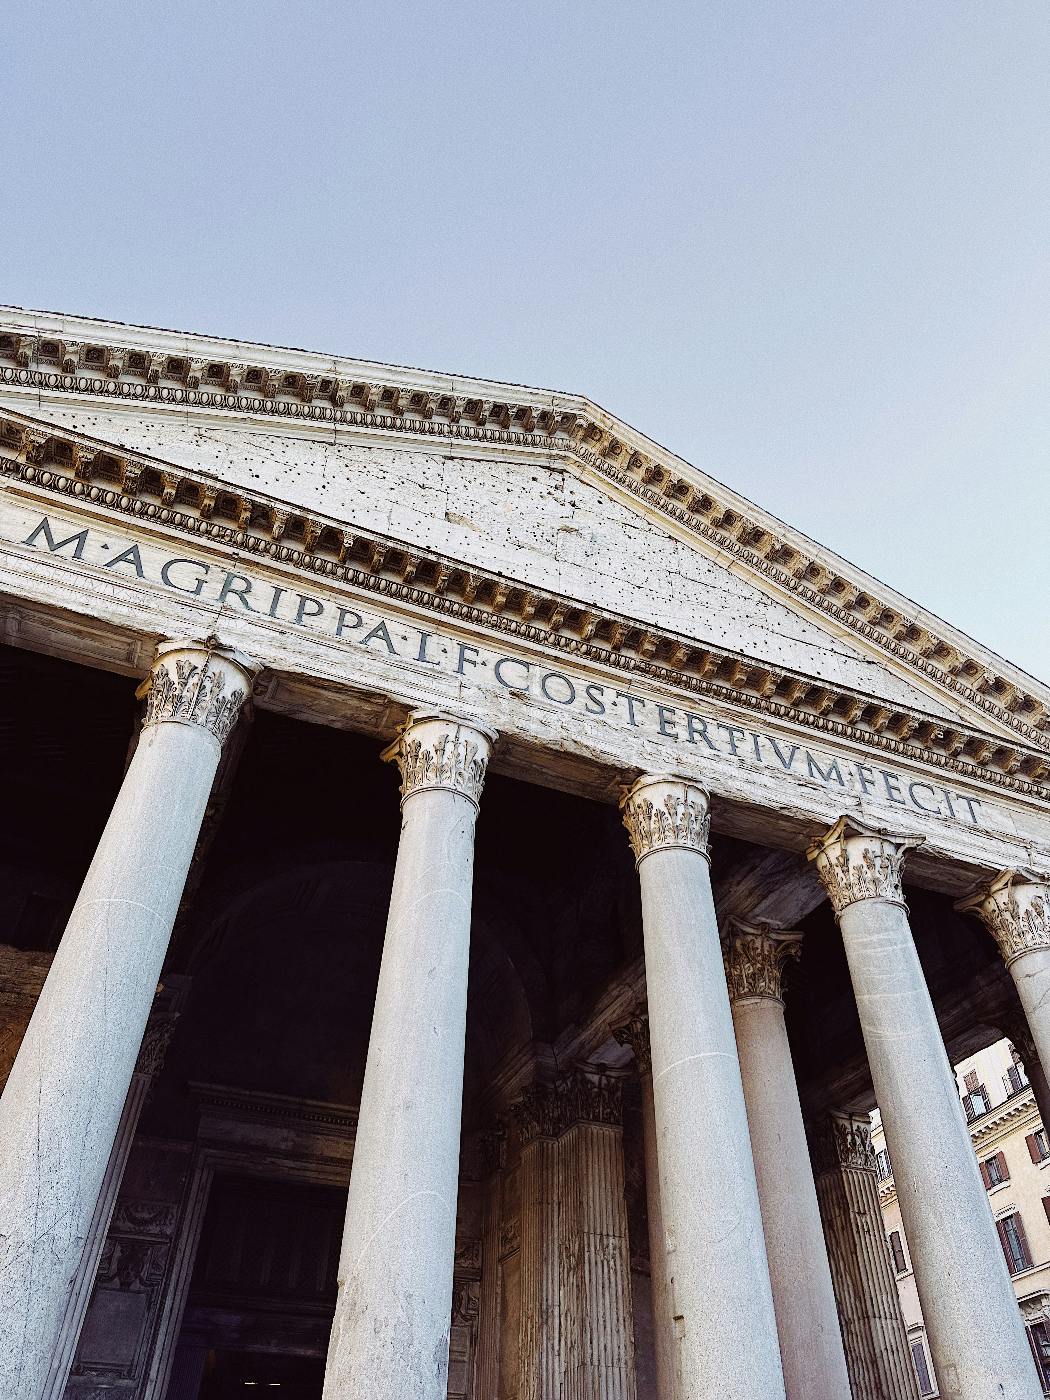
806,245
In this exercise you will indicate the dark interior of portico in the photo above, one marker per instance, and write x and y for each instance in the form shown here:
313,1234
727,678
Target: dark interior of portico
273,968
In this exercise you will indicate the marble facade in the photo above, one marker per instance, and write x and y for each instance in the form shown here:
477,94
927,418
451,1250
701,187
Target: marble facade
553,1084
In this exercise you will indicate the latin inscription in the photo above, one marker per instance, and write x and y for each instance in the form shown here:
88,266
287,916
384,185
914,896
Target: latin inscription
400,641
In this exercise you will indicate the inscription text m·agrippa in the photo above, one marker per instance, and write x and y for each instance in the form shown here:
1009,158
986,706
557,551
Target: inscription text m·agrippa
399,641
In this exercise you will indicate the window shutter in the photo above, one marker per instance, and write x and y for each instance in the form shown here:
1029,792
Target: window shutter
1000,1226
1033,1148
897,1250
1004,1170
1046,1208
1026,1253
984,1175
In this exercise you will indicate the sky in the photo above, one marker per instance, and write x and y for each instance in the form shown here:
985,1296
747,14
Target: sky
804,245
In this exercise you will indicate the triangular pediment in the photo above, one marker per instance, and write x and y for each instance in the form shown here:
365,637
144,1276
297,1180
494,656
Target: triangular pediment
549,495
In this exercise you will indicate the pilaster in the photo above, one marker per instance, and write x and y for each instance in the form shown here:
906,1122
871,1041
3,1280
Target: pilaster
873,1329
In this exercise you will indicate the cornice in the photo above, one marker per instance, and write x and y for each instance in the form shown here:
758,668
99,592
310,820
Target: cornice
1006,1119
77,468
164,368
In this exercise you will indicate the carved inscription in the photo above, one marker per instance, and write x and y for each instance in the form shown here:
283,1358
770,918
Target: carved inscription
423,650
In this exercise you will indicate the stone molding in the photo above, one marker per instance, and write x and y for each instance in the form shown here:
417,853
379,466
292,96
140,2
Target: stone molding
755,955
438,752
842,1141
855,862
582,1096
32,360
196,505
634,1032
1015,907
663,812
199,683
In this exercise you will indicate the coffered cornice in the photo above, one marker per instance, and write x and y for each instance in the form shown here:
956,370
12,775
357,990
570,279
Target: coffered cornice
109,362
73,467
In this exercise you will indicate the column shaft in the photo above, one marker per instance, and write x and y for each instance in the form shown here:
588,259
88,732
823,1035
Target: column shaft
803,1297
873,1329
635,1033
597,1321
540,1335
972,1319
61,1107
390,1335
723,1307
663,1320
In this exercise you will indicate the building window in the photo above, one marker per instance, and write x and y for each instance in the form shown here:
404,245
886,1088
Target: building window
1039,1341
893,1239
882,1165
1014,1242
1038,1147
922,1367
1013,1080
994,1171
975,1096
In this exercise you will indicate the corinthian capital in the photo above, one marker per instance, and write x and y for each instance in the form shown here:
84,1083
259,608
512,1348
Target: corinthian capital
662,812
857,862
634,1032
437,751
200,683
755,957
1016,907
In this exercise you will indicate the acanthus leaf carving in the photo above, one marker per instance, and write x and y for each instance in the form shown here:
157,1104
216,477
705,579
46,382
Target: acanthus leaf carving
666,812
1015,907
755,956
857,862
197,683
440,751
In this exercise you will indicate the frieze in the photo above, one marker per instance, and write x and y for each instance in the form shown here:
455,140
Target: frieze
393,640
399,643
611,451
399,571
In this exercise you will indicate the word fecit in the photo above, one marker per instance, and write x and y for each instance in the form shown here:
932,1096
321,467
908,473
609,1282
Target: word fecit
400,641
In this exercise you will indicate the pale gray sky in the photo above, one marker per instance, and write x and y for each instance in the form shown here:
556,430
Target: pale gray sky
805,245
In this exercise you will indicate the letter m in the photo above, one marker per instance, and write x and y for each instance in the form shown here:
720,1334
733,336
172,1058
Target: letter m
44,528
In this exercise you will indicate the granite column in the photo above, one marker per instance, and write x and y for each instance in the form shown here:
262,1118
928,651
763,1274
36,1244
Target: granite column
803,1296
62,1105
390,1335
722,1305
972,1320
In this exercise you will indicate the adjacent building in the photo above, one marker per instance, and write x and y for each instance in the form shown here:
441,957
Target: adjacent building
1013,1156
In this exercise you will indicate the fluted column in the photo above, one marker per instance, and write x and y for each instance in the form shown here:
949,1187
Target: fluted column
539,1341
1015,907
803,1297
61,1107
635,1033
874,1333
972,1320
390,1334
725,1328
597,1324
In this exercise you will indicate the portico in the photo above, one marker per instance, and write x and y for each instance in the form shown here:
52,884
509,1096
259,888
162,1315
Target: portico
558,1066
